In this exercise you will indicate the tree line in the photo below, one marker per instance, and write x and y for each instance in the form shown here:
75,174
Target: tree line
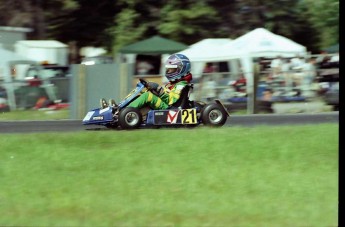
116,23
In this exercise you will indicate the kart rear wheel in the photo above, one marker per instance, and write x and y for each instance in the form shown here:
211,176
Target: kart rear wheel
130,118
213,115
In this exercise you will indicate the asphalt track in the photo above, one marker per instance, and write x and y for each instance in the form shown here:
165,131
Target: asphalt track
237,120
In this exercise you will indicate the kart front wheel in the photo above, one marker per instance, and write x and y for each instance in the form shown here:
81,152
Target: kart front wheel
213,115
130,118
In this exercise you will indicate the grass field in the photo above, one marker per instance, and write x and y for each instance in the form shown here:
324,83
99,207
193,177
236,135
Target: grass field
231,176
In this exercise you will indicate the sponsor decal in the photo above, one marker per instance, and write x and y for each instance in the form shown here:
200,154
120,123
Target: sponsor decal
88,116
97,118
159,113
172,116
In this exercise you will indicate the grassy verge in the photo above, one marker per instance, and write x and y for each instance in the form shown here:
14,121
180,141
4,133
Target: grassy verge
261,176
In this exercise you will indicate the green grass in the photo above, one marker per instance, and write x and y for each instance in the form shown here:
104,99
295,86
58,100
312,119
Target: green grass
237,176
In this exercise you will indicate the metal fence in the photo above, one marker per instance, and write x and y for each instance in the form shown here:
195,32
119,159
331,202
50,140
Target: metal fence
31,93
86,84
304,83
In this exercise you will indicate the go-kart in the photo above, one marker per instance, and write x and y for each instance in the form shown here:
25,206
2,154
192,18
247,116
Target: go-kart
184,112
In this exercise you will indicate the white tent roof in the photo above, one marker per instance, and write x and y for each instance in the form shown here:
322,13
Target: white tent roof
257,43
205,48
260,43
198,53
42,43
7,56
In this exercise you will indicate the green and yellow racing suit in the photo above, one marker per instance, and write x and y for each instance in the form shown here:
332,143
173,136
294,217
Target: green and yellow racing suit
170,95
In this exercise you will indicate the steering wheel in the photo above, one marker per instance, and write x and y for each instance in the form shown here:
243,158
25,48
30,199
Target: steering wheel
144,82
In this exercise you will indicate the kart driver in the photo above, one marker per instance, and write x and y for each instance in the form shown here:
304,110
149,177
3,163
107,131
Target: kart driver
178,73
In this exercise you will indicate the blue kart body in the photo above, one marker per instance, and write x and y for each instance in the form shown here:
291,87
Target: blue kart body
122,115
104,117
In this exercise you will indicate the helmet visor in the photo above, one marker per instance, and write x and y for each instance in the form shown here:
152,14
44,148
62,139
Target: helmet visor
169,69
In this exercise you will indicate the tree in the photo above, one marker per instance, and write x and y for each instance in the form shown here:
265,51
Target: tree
113,24
21,13
188,21
136,20
126,29
178,20
85,23
282,17
324,17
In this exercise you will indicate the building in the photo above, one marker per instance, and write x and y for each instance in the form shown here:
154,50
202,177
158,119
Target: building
10,35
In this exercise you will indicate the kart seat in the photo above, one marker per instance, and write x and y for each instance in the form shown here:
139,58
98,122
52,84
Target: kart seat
183,101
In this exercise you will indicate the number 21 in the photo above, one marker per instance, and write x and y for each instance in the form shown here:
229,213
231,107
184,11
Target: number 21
189,116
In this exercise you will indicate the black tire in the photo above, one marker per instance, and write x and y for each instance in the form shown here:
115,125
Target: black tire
213,115
130,118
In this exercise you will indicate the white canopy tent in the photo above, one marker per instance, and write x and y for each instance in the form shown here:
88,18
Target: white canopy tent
204,48
257,43
51,51
200,52
261,43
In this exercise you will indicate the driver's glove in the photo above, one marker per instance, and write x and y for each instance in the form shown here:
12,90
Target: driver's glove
152,85
156,88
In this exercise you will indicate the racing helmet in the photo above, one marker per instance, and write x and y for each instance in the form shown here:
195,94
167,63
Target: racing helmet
177,66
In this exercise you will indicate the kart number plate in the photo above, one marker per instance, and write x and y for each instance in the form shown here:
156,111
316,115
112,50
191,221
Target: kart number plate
189,116
168,117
